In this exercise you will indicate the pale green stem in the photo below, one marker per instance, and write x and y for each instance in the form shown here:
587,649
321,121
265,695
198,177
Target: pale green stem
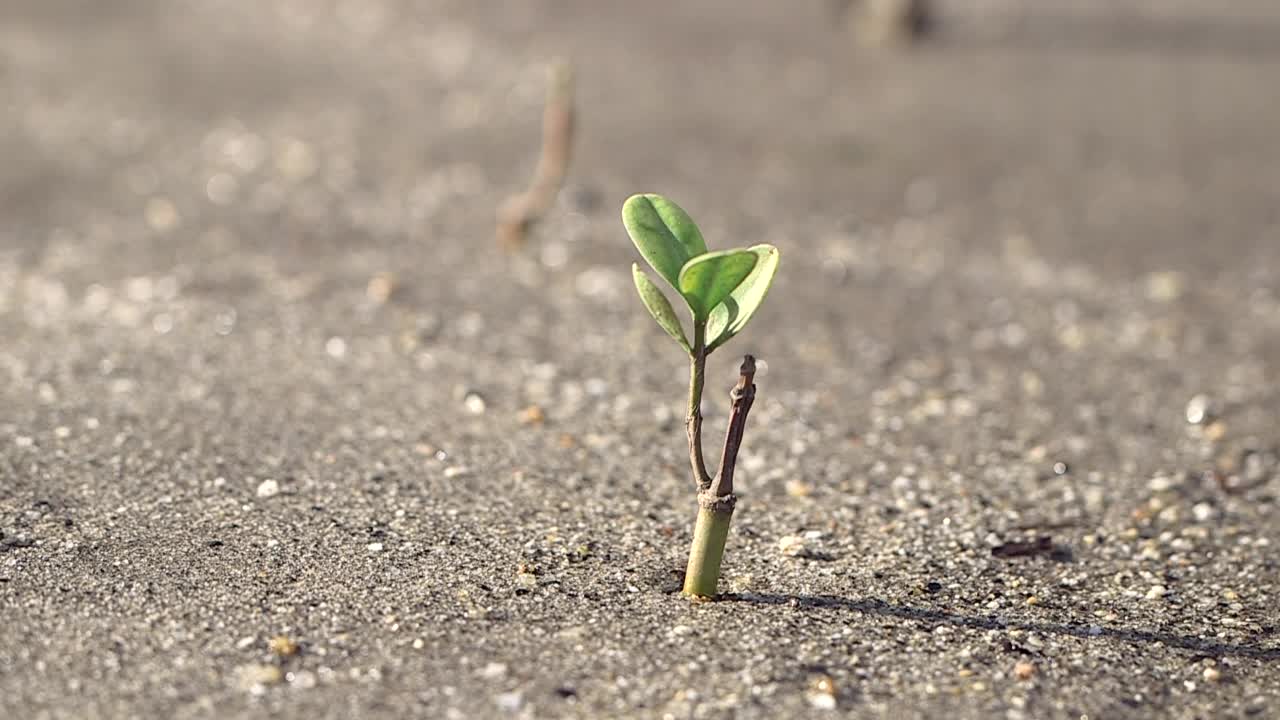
703,572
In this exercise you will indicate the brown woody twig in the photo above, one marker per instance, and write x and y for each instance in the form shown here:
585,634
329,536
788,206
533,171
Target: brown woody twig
742,396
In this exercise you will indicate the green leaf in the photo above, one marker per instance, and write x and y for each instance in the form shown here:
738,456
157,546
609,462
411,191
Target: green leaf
706,280
663,233
721,317
659,307
731,316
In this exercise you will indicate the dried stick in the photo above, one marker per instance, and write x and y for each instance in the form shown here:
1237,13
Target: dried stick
521,212
741,396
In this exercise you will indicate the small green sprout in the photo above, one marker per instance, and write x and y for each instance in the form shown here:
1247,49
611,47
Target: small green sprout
722,289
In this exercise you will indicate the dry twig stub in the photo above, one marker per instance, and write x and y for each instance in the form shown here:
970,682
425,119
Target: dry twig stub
886,23
521,212
741,397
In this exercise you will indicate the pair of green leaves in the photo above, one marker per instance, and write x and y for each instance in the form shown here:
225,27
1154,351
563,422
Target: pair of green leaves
723,289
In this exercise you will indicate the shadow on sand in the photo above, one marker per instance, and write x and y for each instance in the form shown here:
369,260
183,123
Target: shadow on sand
1136,636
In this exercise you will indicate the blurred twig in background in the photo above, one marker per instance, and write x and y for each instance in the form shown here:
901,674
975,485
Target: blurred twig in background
519,213
885,23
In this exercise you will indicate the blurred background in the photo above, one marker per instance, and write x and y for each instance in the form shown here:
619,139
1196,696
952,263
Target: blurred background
1126,135
940,175
265,366
206,204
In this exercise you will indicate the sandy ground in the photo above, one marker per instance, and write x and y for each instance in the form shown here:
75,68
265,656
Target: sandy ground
264,373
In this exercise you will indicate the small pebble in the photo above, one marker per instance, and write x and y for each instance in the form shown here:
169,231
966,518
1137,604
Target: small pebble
493,671
268,488
1165,286
221,188
256,678
797,488
822,701
1197,409
375,547
1215,430
1212,674
474,402
295,160
510,701
1024,670
336,347
380,287
161,214
1203,512
791,545
1156,592
822,692
282,646
532,415
302,679
456,471
1255,466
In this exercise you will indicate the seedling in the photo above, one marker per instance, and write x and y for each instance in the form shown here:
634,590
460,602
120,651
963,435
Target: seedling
722,290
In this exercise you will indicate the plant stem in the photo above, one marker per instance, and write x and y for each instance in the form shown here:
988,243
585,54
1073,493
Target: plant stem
716,501
709,534
693,421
